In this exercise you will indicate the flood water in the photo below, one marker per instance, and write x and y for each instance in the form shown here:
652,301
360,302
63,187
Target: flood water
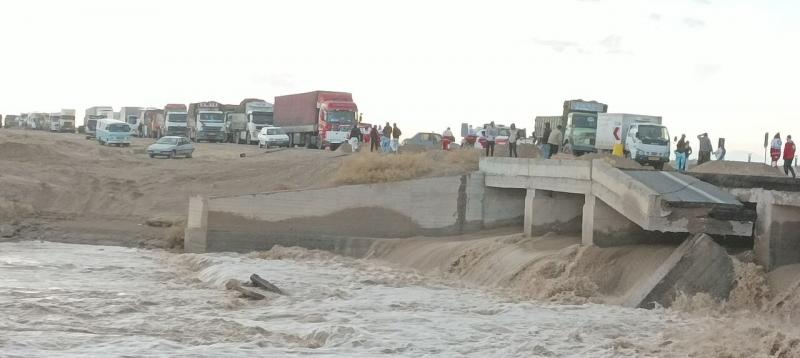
62,300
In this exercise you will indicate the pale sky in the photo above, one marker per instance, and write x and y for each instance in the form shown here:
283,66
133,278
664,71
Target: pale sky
725,67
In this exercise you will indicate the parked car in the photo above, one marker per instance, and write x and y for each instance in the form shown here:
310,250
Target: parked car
425,140
171,146
272,137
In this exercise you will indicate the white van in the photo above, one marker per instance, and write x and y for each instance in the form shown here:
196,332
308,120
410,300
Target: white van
113,132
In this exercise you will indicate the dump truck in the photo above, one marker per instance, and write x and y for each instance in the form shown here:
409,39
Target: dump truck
318,119
206,121
175,118
642,137
579,120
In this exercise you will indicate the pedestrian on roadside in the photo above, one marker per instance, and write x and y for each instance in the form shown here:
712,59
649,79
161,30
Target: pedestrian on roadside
555,140
720,152
512,141
355,138
447,138
395,144
491,134
775,149
788,156
544,145
680,154
386,138
704,154
374,137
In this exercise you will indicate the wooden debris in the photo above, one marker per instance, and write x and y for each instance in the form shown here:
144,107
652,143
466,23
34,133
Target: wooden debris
236,285
260,282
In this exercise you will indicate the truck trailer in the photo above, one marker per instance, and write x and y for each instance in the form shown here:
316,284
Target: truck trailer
92,115
643,138
318,119
153,120
206,121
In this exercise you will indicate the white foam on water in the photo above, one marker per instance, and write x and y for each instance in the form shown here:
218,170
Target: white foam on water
60,300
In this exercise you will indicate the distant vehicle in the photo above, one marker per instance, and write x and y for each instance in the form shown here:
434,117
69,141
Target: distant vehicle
131,115
579,120
318,119
153,120
63,121
643,137
92,115
175,120
38,121
206,121
53,121
258,114
11,121
171,146
539,124
504,132
424,140
272,137
113,132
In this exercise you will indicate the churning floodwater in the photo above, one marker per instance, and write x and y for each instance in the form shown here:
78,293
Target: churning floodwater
62,300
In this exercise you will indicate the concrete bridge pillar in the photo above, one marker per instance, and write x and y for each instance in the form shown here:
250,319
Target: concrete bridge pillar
777,237
603,226
550,211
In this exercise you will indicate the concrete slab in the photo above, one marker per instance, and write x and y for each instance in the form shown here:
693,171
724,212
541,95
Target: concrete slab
683,190
698,265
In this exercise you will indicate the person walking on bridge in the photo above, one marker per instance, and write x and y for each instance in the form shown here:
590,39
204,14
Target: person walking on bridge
788,156
555,140
680,154
775,149
513,134
544,145
491,134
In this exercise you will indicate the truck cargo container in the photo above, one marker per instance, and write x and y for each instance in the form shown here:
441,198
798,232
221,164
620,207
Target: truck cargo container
319,119
206,121
175,117
153,120
63,121
579,122
539,124
643,137
90,117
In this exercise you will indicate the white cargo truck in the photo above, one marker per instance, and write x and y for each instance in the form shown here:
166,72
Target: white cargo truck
643,137
92,115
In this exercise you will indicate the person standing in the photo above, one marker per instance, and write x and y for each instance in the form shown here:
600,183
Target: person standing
491,134
704,154
386,138
720,153
374,137
555,140
544,143
512,141
355,137
775,149
447,138
395,144
680,154
788,156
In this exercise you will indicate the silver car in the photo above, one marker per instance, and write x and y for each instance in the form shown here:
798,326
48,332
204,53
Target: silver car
171,146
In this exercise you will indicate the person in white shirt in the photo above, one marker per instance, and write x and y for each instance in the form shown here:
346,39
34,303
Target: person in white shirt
512,141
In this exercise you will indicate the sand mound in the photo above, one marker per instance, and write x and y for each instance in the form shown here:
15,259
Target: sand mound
366,167
737,168
21,152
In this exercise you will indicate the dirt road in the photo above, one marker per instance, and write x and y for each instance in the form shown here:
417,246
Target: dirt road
62,187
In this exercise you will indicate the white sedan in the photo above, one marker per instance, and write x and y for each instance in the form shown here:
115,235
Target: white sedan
272,137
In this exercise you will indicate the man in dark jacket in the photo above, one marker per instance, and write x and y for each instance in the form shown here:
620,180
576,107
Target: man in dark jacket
543,145
704,154
355,137
386,138
396,138
374,137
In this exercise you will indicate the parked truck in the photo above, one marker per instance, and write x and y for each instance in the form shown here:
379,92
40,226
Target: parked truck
206,121
11,121
153,120
257,114
66,121
319,119
175,120
53,122
539,124
643,138
38,121
130,115
92,115
579,120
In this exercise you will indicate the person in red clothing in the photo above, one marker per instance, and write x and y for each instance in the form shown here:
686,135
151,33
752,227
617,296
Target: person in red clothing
788,156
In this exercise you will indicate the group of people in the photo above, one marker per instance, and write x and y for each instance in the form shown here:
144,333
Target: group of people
789,151
683,151
386,139
551,140
487,138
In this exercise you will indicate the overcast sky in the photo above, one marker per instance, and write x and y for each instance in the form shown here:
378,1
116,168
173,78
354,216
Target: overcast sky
726,67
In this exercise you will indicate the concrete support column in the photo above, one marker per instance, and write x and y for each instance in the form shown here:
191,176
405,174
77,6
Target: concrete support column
196,234
549,211
587,224
604,226
777,239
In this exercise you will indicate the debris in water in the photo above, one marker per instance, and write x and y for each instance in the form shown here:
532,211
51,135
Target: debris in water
237,286
260,282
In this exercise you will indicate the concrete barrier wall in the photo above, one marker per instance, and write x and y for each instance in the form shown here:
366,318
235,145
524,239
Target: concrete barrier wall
321,218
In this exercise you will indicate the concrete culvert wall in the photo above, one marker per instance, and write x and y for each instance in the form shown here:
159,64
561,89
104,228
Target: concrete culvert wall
319,218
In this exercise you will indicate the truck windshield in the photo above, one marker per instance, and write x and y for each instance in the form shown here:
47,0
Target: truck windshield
211,117
583,137
91,124
584,120
177,118
341,117
119,127
650,134
262,118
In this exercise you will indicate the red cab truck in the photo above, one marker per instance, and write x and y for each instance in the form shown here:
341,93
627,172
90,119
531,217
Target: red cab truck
319,119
